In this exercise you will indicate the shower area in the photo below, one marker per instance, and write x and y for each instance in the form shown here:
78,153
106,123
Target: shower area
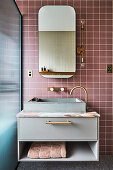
10,82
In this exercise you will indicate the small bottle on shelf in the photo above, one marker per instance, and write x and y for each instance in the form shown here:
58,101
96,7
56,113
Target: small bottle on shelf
41,68
44,68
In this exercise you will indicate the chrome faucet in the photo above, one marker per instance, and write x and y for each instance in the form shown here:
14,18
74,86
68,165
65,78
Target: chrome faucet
81,87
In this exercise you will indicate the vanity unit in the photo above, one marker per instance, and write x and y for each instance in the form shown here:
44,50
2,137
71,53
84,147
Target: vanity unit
80,131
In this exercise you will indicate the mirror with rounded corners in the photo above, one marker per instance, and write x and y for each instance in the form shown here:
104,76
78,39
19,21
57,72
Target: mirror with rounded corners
57,45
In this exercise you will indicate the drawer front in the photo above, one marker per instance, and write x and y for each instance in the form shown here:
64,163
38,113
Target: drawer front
37,129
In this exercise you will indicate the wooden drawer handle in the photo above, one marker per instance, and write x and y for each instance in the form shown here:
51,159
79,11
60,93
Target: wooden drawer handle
67,122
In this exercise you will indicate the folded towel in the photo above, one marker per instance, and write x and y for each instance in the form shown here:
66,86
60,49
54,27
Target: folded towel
47,150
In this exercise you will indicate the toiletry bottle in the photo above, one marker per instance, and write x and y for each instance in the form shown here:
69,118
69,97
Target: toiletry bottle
44,68
41,68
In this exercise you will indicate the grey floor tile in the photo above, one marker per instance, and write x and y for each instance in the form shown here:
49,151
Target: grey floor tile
105,163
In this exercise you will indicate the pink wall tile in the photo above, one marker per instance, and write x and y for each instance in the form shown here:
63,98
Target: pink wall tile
98,45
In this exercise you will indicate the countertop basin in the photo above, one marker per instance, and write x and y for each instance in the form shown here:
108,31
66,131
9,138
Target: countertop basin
55,105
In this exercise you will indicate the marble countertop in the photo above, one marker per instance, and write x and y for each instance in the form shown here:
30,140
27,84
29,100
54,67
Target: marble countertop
23,114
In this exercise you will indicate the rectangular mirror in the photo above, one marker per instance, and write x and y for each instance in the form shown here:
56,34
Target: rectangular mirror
57,45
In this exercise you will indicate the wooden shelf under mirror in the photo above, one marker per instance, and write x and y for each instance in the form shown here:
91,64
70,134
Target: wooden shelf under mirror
56,73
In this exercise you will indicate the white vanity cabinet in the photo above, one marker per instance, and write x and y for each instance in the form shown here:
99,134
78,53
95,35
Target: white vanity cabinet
80,133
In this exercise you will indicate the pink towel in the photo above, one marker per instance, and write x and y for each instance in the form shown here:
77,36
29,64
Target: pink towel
47,150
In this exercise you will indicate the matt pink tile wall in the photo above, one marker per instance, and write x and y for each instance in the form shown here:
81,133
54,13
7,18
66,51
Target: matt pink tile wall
98,44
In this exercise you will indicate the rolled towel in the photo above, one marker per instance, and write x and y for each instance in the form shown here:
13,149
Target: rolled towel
44,152
47,150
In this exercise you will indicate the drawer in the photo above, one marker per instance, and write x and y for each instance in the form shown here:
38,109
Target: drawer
37,129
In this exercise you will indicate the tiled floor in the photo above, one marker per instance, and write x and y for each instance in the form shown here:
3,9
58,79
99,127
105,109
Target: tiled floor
105,163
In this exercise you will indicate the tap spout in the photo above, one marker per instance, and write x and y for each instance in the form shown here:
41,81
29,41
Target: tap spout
81,87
